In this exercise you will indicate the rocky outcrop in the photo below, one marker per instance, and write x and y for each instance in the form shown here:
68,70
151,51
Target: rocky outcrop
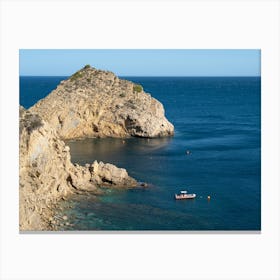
47,174
94,103
87,177
91,103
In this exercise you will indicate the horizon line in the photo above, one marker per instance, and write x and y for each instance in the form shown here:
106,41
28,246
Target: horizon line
233,76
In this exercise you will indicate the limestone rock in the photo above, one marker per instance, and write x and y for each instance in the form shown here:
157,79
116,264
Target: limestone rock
47,174
112,175
95,103
42,170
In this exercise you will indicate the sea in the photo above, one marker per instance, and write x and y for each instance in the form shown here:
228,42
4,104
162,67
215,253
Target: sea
217,120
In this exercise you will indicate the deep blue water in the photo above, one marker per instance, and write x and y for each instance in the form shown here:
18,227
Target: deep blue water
34,88
218,120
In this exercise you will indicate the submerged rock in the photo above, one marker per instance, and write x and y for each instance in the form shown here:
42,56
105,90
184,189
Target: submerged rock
95,103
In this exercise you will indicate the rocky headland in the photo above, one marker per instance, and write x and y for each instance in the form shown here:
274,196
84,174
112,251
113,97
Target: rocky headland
91,103
95,103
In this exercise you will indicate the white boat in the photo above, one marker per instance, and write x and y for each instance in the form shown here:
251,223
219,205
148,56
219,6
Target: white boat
184,195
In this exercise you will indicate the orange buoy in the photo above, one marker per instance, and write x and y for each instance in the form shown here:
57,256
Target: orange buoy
208,197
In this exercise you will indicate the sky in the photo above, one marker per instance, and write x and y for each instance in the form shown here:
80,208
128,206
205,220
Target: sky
144,62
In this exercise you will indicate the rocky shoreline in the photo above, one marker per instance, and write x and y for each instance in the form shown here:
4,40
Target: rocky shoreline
91,103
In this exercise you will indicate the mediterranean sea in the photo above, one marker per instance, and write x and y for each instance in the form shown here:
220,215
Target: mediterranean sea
216,119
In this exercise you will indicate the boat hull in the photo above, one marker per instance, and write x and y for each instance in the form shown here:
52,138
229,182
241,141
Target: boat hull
184,196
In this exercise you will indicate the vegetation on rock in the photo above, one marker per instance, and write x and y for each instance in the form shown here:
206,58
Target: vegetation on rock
76,76
31,122
137,88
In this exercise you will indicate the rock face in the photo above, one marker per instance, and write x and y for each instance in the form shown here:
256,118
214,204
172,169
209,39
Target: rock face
47,174
94,103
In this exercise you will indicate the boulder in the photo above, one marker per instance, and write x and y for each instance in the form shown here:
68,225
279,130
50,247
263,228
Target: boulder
105,174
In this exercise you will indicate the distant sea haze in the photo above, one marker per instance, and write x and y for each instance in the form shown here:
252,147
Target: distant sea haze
217,119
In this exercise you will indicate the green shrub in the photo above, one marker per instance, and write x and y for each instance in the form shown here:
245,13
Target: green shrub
122,94
87,66
31,122
88,80
76,76
137,88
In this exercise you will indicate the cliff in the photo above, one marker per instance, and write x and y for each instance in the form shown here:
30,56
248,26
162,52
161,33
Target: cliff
46,173
91,103
95,103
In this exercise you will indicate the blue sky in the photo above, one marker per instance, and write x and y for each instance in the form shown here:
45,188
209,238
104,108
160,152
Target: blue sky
145,62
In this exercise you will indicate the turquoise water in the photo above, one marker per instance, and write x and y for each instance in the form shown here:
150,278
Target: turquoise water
218,120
